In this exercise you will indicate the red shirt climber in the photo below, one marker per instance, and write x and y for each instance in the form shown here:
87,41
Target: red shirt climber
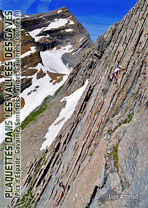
63,193
63,189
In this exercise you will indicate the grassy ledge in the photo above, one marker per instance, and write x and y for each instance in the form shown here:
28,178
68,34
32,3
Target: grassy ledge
114,155
58,90
127,120
26,200
34,114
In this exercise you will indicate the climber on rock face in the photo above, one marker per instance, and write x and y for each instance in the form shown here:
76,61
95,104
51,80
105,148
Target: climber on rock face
116,72
62,194
63,189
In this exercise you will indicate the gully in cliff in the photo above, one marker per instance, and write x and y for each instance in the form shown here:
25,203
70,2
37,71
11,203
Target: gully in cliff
115,73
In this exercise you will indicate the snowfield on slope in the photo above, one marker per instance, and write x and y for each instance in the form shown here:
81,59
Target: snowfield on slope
42,87
56,23
65,114
35,32
68,30
56,65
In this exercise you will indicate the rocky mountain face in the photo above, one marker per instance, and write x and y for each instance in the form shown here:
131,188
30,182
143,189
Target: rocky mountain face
55,36
63,29
100,154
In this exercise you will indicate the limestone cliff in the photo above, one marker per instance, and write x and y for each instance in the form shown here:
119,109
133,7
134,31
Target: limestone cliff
101,151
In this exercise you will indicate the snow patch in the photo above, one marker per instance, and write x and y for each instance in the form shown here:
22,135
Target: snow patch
71,22
56,24
35,32
65,114
68,30
40,37
56,65
59,11
28,52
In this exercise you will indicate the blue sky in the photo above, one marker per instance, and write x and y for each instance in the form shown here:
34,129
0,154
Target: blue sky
95,15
